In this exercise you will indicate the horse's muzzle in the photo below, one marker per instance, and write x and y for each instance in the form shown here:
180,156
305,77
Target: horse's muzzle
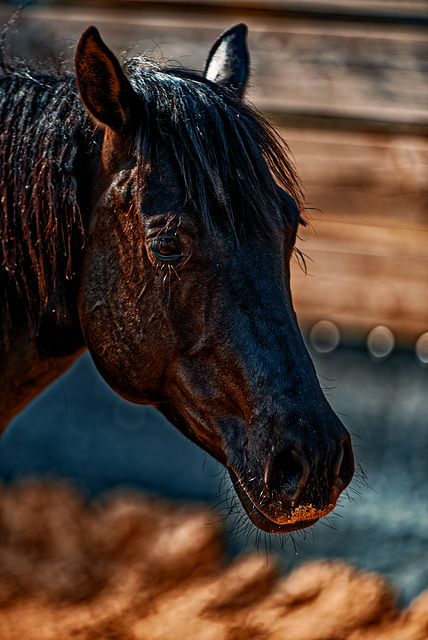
293,493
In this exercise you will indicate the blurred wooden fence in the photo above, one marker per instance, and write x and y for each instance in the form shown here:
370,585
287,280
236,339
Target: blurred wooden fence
347,85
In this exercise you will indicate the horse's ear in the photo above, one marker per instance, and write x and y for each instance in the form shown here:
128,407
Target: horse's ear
228,61
104,88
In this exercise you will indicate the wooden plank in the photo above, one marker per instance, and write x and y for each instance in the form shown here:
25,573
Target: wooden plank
351,71
387,12
368,178
303,67
364,275
380,7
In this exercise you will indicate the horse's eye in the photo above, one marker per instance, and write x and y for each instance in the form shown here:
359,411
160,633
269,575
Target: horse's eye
166,249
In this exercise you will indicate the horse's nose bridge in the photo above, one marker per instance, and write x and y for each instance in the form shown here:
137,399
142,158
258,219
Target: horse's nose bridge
263,351
282,387
286,387
311,427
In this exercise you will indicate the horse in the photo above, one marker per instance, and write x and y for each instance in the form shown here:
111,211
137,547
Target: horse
149,215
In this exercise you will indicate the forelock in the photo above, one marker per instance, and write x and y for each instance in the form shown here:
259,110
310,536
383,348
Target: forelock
229,157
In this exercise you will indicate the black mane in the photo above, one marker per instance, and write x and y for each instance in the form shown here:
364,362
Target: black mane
42,127
223,148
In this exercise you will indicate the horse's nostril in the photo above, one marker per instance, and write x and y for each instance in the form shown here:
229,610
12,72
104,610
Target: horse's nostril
346,467
287,473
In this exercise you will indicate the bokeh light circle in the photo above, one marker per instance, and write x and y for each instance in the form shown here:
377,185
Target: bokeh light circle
324,336
422,348
380,342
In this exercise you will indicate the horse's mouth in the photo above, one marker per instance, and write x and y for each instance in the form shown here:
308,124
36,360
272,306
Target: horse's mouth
300,518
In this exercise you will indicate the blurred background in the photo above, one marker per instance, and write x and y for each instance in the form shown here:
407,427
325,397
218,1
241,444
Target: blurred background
346,84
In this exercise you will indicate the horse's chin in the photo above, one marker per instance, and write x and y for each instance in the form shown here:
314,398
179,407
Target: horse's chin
283,524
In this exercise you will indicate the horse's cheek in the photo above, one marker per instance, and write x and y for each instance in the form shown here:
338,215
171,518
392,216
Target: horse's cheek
118,323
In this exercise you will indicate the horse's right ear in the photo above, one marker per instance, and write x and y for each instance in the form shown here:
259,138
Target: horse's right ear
104,88
228,62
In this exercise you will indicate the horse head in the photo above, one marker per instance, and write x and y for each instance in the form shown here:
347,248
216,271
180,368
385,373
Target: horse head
185,299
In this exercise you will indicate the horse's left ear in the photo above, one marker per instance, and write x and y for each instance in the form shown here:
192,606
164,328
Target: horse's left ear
228,61
105,90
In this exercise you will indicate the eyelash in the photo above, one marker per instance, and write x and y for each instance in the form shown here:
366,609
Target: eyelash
166,249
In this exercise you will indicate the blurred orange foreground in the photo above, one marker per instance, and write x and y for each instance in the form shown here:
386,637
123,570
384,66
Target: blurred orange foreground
135,568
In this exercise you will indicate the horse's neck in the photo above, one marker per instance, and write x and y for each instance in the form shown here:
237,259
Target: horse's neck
25,372
35,347
33,353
